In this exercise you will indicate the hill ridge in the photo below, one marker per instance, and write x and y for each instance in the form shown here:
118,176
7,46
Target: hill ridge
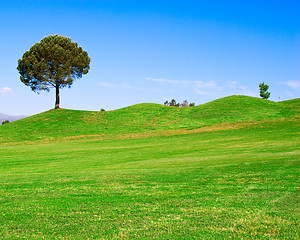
144,117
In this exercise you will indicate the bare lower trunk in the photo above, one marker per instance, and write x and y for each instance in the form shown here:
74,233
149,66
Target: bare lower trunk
57,97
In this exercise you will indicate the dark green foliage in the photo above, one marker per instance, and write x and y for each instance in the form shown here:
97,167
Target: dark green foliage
54,62
102,110
5,121
263,90
173,103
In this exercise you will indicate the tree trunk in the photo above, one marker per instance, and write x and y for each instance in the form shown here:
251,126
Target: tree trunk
57,97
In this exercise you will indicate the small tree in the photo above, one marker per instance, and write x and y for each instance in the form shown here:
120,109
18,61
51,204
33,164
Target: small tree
5,121
185,103
54,62
263,90
173,103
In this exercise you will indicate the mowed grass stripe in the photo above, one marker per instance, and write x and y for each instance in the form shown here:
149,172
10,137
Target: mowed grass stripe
236,183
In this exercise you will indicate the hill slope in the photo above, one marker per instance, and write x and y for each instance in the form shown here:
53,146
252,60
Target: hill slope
10,118
232,184
63,123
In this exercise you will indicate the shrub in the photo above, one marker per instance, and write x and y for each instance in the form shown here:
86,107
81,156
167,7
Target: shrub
5,121
173,103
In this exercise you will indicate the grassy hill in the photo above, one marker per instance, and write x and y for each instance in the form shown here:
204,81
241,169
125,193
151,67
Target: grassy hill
144,118
228,169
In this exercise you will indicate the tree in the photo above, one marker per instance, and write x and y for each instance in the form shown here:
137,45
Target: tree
263,90
173,103
185,103
5,121
54,62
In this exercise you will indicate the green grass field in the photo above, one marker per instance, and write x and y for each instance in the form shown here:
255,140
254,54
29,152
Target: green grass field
225,169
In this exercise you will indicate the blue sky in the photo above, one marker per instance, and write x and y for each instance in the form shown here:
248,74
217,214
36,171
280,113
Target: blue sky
152,51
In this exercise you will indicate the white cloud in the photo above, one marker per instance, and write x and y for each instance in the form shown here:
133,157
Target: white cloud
122,85
246,91
172,91
157,79
182,82
209,84
295,84
127,86
233,82
174,82
105,84
5,90
205,88
209,88
200,87
201,92
288,93
236,88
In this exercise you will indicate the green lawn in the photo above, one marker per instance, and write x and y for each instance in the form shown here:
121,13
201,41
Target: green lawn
219,183
144,118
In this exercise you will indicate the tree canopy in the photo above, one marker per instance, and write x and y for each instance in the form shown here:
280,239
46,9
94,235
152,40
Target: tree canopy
263,90
173,103
54,62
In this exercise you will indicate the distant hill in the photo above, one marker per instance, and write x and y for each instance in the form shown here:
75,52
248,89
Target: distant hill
10,118
145,118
